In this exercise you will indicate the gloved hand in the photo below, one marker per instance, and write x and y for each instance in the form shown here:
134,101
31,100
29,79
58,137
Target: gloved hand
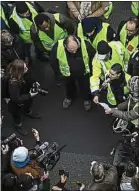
4,149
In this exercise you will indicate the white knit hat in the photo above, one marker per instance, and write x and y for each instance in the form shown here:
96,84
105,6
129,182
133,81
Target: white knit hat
20,154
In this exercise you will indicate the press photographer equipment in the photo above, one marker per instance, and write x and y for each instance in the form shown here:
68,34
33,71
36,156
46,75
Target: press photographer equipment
36,88
9,139
126,150
46,155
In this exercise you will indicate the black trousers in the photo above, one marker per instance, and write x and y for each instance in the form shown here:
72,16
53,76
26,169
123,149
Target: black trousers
17,111
84,86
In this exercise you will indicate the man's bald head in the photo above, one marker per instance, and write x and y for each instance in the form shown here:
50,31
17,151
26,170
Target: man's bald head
72,45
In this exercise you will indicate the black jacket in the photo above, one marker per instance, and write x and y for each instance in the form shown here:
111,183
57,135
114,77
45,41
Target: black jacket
8,54
65,23
75,61
19,91
133,64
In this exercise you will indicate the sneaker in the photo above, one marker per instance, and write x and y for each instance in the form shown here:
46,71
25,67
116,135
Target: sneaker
20,130
66,103
87,105
33,115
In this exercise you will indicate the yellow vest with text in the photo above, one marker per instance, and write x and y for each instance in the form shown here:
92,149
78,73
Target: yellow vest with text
62,58
132,45
135,7
110,96
24,23
100,68
59,34
2,14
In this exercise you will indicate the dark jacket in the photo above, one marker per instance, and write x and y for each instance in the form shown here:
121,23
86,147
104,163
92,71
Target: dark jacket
65,23
10,53
133,64
75,61
109,183
19,92
128,38
14,28
122,112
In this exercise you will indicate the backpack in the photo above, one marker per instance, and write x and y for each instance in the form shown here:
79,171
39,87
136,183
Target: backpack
5,87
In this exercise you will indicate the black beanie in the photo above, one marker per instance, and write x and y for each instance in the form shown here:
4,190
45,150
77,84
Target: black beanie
21,7
103,47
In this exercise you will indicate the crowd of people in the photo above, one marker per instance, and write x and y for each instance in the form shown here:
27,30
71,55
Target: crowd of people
85,51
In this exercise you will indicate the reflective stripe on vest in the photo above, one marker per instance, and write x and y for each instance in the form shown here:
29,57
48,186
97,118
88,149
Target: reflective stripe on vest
3,16
135,7
110,96
132,45
102,35
59,34
109,11
24,23
62,58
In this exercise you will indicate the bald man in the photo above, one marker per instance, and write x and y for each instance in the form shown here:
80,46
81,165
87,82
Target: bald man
71,59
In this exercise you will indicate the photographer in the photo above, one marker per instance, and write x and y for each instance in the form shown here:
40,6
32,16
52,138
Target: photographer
8,144
127,176
21,97
104,177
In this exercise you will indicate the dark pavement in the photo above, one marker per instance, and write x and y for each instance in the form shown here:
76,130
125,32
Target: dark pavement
87,134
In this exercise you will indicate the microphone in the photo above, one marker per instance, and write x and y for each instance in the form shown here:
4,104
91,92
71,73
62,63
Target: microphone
104,84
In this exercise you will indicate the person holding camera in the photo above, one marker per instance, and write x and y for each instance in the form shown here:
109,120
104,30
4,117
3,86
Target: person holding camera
127,176
21,97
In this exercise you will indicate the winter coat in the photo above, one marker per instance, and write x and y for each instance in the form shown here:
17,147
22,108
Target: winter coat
122,112
108,183
32,168
98,8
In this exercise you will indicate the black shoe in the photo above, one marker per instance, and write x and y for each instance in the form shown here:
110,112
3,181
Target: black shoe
87,105
20,130
33,115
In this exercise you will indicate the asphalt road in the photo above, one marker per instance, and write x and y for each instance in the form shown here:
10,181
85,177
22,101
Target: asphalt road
87,134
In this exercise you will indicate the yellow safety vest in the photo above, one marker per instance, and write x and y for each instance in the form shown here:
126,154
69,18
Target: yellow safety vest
102,35
110,96
132,45
135,7
109,11
24,23
59,34
100,68
62,58
2,14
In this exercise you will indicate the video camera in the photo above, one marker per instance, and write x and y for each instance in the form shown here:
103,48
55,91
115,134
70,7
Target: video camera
46,155
36,88
9,139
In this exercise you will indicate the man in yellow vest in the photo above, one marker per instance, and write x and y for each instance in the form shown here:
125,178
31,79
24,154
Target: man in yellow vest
71,59
21,20
128,34
115,84
107,55
4,10
129,110
47,30
135,7
95,30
